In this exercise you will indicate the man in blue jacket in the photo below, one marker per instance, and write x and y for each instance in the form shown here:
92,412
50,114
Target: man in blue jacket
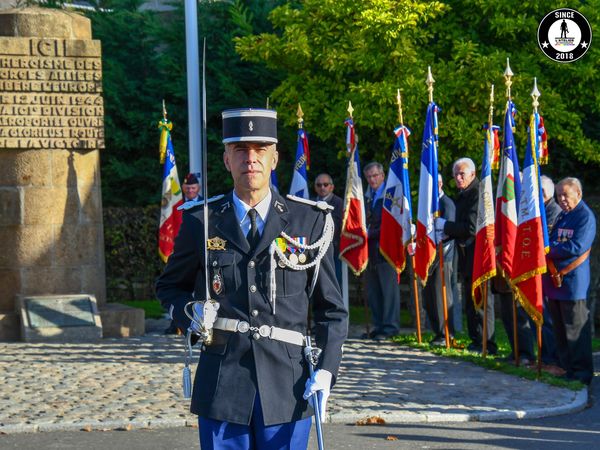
568,279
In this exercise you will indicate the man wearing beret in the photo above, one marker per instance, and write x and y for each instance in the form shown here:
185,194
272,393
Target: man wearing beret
568,278
191,188
269,260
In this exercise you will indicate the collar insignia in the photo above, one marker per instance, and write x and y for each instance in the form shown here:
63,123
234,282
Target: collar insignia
280,207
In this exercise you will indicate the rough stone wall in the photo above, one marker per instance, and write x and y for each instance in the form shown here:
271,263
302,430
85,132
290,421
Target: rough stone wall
51,130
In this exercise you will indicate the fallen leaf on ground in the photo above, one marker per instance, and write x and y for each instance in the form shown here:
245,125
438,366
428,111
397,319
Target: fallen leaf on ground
391,438
373,420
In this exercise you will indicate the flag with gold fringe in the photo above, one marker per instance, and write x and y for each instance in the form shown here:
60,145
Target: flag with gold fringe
529,261
484,262
395,231
353,240
428,208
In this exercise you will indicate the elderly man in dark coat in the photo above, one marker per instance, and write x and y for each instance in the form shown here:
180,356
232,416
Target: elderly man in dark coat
269,260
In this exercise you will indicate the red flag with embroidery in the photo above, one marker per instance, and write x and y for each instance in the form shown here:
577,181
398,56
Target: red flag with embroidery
484,262
353,240
530,257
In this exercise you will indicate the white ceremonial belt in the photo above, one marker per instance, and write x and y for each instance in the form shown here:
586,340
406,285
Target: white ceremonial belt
265,331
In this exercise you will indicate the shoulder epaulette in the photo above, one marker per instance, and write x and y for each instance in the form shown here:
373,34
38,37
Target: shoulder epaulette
323,206
193,203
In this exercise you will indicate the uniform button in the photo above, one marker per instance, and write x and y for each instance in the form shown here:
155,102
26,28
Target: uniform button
251,264
252,288
254,313
215,264
204,348
256,336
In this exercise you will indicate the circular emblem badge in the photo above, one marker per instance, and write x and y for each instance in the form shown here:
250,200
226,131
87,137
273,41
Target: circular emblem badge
564,35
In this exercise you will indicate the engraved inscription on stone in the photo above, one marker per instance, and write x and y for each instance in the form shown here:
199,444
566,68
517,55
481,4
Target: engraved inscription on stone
68,312
50,94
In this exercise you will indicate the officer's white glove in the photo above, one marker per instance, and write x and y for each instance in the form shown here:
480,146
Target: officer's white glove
411,248
413,230
204,316
320,382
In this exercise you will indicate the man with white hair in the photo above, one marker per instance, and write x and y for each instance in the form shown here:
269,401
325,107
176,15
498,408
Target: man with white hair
550,206
463,230
568,279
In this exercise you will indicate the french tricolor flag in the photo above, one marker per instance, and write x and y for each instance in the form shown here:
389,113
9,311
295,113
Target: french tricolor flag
428,208
396,213
530,258
353,239
299,186
484,262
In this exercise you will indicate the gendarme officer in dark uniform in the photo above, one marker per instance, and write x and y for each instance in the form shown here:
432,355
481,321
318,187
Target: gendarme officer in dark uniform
269,260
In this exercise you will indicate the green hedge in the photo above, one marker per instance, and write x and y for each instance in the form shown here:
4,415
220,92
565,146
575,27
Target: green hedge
131,252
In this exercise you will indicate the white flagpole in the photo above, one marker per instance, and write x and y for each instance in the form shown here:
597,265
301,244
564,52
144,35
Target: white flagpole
193,85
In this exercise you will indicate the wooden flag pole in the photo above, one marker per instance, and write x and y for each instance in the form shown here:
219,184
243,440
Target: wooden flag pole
440,246
539,349
412,243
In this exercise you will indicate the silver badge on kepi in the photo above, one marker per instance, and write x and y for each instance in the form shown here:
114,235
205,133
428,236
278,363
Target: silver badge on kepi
564,35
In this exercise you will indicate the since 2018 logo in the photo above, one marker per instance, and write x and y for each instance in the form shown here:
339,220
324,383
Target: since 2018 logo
564,35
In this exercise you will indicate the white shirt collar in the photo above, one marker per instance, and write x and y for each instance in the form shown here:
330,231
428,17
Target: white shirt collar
241,212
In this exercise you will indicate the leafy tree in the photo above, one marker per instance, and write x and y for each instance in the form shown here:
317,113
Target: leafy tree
144,61
333,51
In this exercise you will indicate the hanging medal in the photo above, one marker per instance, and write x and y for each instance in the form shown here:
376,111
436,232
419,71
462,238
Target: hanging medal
302,255
282,245
293,258
217,281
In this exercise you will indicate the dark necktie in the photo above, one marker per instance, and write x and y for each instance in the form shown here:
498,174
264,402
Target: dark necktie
253,235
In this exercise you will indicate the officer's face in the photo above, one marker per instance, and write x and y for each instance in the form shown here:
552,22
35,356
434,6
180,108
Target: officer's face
463,176
568,196
190,191
250,164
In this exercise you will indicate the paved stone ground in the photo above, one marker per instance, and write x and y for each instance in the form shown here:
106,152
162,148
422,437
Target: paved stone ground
136,383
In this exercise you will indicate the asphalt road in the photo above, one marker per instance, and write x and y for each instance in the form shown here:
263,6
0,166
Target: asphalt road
573,431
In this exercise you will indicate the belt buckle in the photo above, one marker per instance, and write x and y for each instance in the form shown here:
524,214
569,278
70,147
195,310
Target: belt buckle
265,331
243,326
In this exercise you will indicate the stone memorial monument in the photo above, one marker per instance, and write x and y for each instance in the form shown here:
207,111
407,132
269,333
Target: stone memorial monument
51,133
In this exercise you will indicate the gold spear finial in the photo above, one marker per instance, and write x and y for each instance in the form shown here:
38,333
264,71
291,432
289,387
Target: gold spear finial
508,74
350,108
430,82
164,110
399,100
300,115
491,115
535,94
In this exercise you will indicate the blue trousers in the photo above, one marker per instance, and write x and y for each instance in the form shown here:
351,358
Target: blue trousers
218,435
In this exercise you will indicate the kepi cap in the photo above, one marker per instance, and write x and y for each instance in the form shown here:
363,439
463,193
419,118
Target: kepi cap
249,125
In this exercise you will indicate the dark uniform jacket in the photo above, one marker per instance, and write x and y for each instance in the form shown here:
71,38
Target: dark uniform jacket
464,227
237,366
572,235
